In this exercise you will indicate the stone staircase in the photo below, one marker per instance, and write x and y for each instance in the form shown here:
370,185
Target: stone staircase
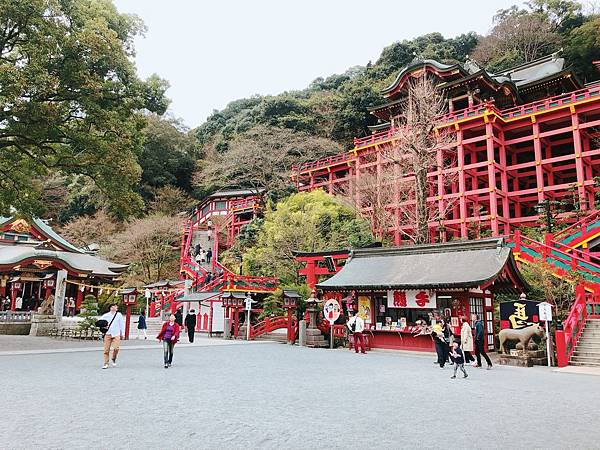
587,351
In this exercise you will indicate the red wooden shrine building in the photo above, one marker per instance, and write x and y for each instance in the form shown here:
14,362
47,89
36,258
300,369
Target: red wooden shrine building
31,254
523,136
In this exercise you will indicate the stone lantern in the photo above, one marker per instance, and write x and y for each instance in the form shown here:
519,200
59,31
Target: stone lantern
290,303
314,337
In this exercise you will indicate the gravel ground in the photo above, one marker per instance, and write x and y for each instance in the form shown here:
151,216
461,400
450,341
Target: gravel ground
276,396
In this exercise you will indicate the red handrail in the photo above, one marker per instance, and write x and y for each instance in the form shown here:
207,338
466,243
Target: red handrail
546,251
567,338
581,224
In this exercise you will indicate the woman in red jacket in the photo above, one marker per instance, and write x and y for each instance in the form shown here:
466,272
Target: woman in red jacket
169,334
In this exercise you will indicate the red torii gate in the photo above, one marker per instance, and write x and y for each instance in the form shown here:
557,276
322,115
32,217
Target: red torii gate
324,263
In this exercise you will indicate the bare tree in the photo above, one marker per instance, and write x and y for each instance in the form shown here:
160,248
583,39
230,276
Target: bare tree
262,158
373,196
516,38
422,147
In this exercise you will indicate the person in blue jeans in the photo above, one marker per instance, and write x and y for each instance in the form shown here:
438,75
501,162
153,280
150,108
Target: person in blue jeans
169,334
479,343
459,360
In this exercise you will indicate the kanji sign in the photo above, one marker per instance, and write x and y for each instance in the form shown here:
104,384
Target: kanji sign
411,299
331,310
545,310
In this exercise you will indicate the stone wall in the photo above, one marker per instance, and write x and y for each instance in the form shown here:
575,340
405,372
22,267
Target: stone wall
20,328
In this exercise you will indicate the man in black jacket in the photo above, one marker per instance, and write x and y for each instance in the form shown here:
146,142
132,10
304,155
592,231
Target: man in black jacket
479,343
190,324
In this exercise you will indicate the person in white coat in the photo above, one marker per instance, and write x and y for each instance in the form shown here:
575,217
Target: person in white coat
356,325
466,340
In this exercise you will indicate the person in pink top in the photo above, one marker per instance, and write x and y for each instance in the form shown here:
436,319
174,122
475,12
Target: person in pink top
169,335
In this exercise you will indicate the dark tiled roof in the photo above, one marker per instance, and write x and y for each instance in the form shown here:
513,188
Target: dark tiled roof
461,264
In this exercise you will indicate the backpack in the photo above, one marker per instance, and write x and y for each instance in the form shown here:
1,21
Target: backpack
103,325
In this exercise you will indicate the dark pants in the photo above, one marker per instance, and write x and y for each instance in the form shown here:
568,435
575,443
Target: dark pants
358,337
168,347
468,357
480,350
441,348
191,332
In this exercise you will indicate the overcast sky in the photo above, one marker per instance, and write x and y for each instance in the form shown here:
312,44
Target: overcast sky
213,52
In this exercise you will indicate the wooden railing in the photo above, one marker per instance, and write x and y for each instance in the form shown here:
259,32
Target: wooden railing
580,225
551,250
271,324
567,338
552,102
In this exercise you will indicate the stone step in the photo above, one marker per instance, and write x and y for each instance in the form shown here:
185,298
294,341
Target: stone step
579,363
272,337
588,359
587,353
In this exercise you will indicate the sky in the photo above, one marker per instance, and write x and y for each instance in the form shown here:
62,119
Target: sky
214,52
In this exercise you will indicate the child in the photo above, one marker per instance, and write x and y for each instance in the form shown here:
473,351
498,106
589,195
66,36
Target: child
459,360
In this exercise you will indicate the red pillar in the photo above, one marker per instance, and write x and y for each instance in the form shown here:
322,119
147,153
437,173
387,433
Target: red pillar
493,196
578,159
127,321
311,276
461,184
537,151
79,298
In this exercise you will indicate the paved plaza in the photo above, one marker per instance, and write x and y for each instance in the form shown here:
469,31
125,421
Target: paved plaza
270,395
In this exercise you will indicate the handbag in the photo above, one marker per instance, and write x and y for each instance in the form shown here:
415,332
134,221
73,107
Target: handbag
103,325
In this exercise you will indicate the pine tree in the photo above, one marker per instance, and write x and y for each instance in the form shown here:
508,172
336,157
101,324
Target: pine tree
89,312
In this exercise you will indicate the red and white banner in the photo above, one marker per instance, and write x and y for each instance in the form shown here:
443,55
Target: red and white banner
411,299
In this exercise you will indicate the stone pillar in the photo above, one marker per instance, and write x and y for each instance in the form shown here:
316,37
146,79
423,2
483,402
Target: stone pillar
227,328
59,297
302,333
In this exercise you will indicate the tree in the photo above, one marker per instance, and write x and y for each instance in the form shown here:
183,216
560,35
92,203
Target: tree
519,36
69,99
170,200
150,245
309,222
582,46
420,146
89,312
263,158
168,156
84,231
546,286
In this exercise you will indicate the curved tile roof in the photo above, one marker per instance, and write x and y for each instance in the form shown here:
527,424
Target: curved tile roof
78,262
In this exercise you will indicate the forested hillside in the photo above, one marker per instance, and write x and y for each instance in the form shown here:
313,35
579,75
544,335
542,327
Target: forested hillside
106,152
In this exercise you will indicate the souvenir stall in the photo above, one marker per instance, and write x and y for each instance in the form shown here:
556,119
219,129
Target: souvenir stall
400,291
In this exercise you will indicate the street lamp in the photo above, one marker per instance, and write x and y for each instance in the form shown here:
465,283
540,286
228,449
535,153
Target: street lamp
290,302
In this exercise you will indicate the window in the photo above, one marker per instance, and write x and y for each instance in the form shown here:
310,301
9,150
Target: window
475,307
489,322
220,205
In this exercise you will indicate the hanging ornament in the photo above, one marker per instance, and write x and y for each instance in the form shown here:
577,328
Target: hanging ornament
82,288
101,290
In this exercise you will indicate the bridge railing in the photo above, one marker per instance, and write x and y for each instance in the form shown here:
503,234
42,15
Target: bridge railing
580,225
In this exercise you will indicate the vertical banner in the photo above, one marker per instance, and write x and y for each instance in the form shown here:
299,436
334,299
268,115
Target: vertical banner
59,293
364,308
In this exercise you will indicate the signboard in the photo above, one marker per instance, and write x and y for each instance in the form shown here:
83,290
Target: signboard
248,302
545,310
364,308
130,299
422,299
331,310
518,314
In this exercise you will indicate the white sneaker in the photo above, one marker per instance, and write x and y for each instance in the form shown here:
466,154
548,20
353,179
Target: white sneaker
105,366
113,363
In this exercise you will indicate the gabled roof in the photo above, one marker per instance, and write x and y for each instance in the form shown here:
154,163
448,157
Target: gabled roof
460,264
45,231
236,193
11,255
427,64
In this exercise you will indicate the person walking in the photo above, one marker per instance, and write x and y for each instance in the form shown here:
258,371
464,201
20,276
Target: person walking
169,334
479,344
466,340
197,249
448,338
437,333
114,334
209,233
179,317
142,326
356,325
198,257
202,256
459,360
190,325
208,255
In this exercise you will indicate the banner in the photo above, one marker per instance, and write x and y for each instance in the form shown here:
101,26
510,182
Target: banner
420,299
518,314
364,308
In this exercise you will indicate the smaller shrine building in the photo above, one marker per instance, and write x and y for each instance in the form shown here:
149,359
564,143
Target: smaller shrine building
397,290
32,253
